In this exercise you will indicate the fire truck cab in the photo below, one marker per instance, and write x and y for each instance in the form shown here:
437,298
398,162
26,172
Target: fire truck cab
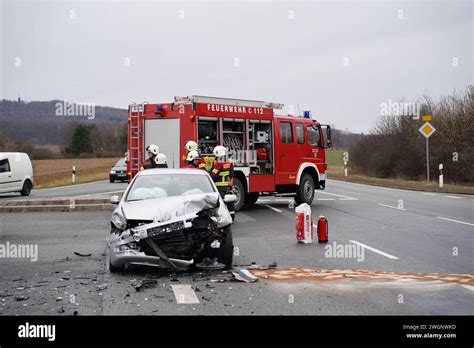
272,154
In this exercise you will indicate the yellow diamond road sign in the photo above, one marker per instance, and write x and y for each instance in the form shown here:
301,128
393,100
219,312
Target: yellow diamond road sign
427,129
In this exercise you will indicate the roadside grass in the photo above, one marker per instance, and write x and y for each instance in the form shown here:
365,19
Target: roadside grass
334,158
57,172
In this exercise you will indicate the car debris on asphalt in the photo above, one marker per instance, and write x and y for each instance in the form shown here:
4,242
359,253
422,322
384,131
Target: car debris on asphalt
244,275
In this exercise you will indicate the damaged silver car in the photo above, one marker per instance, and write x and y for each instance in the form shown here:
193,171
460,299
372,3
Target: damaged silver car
173,219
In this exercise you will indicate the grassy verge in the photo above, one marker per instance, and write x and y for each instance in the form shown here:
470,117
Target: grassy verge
336,171
52,173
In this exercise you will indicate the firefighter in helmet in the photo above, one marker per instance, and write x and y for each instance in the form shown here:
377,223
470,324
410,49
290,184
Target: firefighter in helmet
193,146
153,151
222,172
161,161
193,160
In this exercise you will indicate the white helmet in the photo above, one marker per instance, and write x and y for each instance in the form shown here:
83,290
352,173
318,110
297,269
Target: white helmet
192,155
154,149
219,151
191,146
161,159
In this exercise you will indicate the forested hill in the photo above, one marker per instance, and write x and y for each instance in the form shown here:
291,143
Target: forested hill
47,122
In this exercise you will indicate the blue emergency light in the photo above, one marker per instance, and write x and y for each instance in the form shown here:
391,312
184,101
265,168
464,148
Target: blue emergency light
159,107
307,114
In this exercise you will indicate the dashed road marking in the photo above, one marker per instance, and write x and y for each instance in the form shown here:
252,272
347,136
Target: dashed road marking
452,220
383,253
455,197
184,294
390,206
468,287
274,209
428,194
326,199
340,196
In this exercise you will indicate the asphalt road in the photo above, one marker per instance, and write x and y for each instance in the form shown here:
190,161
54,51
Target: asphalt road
98,187
398,230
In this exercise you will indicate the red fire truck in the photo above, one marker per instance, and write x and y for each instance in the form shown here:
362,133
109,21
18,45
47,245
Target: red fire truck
272,154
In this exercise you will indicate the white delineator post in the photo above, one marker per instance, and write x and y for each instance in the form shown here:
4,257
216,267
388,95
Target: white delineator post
441,176
73,174
345,168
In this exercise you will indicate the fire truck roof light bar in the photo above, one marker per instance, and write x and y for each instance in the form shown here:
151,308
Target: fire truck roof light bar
227,101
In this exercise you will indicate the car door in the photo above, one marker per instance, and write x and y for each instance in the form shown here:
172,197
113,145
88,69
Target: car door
6,180
285,153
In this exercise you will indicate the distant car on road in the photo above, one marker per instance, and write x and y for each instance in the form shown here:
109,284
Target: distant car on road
16,173
170,218
119,171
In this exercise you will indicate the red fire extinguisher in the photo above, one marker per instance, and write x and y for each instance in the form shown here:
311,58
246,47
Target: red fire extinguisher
323,230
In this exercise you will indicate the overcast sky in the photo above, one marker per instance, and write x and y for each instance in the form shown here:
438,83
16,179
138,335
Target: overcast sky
113,53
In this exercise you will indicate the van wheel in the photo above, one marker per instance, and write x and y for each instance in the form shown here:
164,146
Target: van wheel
239,191
226,252
305,190
26,190
251,198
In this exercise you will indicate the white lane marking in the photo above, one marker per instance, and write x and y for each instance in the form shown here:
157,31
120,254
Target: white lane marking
468,287
326,199
184,294
341,196
389,206
274,209
459,222
375,250
455,197
428,194
71,185
242,217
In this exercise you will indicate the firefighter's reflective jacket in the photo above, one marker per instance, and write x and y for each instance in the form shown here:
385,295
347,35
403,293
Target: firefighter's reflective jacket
223,174
201,164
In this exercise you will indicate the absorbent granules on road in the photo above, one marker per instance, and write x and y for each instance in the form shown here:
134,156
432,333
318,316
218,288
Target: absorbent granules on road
336,274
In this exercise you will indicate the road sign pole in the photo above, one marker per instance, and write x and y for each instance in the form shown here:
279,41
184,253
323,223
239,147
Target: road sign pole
427,160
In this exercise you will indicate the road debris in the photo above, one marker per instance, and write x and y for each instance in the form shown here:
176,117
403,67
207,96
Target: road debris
244,275
21,297
101,287
82,255
144,284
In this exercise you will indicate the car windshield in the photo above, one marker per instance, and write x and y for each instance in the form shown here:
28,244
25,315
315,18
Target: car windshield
121,163
165,185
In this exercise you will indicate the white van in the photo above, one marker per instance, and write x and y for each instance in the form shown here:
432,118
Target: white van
16,173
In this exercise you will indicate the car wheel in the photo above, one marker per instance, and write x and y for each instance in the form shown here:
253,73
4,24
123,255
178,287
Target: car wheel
26,190
112,180
226,251
251,198
305,190
239,191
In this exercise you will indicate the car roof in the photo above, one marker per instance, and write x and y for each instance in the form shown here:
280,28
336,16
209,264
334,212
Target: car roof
172,171
4,155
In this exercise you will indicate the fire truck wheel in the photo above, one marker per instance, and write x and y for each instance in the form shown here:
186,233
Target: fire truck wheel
305,190
240,193
226,251
251,198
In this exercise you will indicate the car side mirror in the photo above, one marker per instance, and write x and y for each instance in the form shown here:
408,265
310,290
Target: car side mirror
114,199
230,198
328,137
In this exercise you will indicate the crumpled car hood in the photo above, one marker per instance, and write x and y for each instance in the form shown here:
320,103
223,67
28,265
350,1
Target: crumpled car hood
164,209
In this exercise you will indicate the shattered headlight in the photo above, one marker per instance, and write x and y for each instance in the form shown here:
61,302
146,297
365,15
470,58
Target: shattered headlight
119,221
